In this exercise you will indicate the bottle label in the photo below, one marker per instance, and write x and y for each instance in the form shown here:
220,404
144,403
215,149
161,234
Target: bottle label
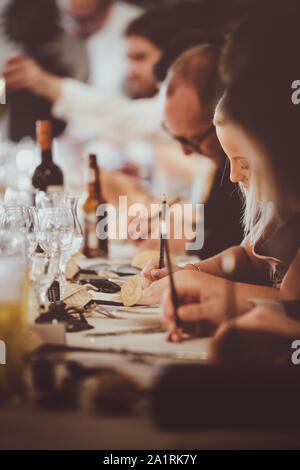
92,175
91,239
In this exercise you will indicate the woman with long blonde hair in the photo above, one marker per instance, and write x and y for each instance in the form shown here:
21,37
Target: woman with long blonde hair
258,127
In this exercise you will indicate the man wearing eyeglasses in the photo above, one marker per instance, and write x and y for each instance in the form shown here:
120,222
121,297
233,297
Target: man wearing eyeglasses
193,89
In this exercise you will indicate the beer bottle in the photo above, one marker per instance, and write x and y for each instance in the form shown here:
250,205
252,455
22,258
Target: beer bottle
95,235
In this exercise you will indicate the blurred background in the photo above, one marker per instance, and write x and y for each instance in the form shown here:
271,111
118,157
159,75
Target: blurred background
84,40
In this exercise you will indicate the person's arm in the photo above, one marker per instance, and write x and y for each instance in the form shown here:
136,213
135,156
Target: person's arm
245,270
247,267
115,184
119,119
204,298
290,287
21,72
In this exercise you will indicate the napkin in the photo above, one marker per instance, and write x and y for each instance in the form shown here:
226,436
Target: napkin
72,267
78,295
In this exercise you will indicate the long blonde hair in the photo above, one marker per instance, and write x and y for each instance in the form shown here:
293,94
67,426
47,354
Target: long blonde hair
257,213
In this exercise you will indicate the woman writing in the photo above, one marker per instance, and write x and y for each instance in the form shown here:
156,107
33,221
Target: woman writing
260,136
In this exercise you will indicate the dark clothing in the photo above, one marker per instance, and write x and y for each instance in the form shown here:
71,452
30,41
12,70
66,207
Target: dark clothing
292,308
283,244
223,226
65,57
279,246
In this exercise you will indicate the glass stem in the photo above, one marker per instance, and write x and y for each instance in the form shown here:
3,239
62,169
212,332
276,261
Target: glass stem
62,274
42,300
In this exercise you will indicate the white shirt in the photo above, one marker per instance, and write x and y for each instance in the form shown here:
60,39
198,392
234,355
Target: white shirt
90,113
107,49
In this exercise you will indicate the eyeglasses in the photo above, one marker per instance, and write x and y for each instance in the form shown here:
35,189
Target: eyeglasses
195,146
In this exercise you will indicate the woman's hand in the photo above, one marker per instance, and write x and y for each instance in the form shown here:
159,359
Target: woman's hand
153,295
152,273
262,336
198,319
202,304
202,301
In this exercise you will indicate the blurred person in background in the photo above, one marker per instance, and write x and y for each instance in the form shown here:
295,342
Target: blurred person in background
101,24
147,37
122,120
32,28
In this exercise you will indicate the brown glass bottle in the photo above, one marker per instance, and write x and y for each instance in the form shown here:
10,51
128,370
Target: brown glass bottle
47,176
95,243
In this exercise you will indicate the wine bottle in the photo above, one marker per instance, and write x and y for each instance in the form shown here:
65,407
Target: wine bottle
95,243
47,177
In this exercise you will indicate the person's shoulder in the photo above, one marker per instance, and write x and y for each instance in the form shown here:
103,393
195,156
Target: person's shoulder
129,11
123,14
71,51
68,40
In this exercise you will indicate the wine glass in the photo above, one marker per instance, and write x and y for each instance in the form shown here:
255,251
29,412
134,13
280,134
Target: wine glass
12,243
55,200
42,272
55,235
20,219
2,216
31,233
72,202
15,196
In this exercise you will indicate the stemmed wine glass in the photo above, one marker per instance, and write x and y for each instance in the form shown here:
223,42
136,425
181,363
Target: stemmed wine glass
55,235
42,271
46,201
72,202
49,201
12,243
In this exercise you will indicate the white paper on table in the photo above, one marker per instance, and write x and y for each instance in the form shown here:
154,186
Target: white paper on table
153,343
106,297
88,263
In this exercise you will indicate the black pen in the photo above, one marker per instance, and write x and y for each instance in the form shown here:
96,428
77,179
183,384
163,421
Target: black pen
163,234
175,299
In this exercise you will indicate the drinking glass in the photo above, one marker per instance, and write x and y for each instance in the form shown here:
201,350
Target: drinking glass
15,196
12,316
20,219
12,243
49,201
42,272
55,235
72,202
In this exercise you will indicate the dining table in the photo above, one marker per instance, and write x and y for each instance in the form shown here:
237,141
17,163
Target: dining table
100,388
